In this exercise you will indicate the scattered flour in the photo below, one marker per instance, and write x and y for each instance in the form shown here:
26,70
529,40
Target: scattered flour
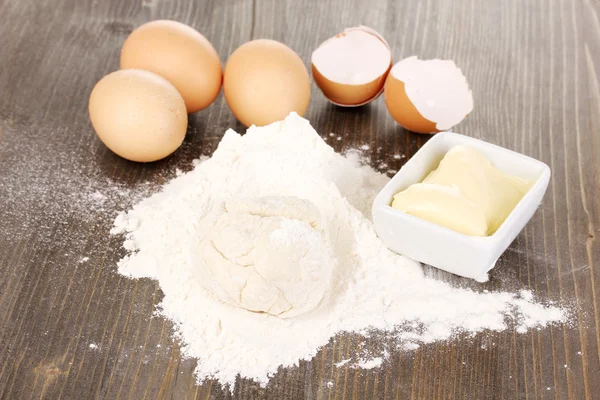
342,363
369,363
371,287
98,197
409,346
198,161
46,196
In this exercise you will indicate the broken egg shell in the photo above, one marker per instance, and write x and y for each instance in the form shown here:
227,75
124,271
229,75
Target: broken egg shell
403,110
372,31
432,92
349,95
346,94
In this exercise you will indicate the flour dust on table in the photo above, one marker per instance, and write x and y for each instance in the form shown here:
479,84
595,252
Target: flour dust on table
266,250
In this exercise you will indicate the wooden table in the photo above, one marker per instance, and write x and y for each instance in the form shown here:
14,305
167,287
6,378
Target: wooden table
71,327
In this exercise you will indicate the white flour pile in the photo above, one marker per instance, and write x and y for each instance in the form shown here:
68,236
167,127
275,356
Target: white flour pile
232,236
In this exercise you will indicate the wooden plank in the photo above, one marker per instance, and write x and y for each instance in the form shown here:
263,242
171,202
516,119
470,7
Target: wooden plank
75,329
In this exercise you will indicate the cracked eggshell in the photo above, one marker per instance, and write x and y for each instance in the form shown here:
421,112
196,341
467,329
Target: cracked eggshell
427,96
351,67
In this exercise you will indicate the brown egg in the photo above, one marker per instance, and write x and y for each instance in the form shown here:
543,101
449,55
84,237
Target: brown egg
264,81
138,114
180,54
403,110
351,67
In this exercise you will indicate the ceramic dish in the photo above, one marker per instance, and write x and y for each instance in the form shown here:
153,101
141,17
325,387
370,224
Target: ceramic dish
432,244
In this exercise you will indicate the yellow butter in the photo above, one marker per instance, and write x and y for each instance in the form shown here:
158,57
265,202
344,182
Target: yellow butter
466,193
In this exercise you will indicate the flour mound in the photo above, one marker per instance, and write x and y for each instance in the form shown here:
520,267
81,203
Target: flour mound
301,201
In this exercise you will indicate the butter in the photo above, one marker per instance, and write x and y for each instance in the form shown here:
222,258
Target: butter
466,193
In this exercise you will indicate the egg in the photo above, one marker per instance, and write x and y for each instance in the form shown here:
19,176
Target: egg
181,55
264,81
427,96
138,114
351,67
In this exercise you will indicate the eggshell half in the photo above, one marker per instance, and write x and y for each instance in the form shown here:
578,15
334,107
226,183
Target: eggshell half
351,67
180,54
348,95
403,110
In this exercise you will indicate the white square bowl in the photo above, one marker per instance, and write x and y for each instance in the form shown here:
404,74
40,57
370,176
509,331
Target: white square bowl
432,244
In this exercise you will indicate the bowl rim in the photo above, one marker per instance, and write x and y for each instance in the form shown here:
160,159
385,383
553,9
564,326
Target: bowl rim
541,182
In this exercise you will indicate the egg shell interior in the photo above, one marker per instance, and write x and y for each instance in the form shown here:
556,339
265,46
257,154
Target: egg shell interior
349,95
350,68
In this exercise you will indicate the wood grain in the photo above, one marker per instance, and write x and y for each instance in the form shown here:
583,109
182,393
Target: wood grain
75,329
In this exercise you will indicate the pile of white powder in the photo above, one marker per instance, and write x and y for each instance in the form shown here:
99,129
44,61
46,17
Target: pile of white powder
370,287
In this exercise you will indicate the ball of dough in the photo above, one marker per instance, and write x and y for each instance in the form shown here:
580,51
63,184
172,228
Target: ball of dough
180,54
138,115
267,255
